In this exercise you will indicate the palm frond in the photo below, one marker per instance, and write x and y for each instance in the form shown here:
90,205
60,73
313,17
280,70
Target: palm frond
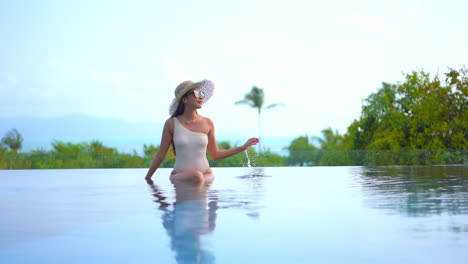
274,105
246,102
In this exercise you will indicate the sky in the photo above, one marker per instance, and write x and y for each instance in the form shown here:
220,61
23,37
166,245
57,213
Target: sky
123,59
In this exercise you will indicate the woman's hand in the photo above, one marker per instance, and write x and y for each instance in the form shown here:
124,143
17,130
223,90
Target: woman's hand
148,179
250,142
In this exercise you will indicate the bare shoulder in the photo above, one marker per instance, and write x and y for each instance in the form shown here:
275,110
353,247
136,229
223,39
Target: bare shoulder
208,121
169,124
208,124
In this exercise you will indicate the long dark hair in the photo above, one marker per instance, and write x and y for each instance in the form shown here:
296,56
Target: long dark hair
180,110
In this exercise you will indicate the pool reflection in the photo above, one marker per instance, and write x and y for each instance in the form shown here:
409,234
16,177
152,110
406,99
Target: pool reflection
418,191
187,220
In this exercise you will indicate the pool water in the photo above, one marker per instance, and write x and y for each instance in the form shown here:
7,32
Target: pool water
413,214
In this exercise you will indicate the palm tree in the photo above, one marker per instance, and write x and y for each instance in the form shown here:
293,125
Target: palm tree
255,99
331,139
13,140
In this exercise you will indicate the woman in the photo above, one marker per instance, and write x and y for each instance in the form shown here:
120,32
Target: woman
188,220
191,135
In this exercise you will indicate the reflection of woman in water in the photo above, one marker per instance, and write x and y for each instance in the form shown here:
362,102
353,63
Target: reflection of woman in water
191,135
188,221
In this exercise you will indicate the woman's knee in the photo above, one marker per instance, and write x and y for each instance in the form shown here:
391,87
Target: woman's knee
208,172
197,175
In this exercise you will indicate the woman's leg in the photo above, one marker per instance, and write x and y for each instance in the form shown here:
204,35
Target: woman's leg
208,176
192,175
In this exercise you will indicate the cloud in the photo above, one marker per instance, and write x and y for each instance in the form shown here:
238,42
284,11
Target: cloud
108,78
374,24
175,72
414,16
9,78
393,21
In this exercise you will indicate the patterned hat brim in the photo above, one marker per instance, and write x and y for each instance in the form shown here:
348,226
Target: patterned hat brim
206,86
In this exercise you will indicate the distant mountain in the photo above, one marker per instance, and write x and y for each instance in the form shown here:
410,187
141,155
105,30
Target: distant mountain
79,127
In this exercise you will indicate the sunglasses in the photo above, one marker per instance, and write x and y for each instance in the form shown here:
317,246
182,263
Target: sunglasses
198,93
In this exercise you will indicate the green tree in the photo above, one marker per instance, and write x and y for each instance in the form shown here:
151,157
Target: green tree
270,159
3,157
13,140
151,150
331,151
255,99
302,152
330,140
101,155
420,113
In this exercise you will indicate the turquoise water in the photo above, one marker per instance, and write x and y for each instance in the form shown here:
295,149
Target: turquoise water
415,214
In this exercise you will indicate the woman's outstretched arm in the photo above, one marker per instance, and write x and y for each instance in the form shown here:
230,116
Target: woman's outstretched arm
166,141
217,154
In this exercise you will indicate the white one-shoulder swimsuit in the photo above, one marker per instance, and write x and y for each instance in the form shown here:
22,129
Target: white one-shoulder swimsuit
190,148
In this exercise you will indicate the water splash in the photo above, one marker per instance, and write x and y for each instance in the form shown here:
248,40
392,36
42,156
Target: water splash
249,164
253,171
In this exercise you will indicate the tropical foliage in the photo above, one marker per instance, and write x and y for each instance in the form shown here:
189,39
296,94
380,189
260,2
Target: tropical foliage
13,140
302,152
421,120
421,113
94,154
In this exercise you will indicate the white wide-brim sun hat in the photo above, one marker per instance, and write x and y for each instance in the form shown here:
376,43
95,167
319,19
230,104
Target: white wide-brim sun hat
206,86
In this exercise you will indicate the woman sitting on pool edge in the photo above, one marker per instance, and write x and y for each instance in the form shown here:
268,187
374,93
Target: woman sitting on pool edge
191,135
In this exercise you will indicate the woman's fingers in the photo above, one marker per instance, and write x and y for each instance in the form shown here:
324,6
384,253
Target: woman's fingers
253,141
250,142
